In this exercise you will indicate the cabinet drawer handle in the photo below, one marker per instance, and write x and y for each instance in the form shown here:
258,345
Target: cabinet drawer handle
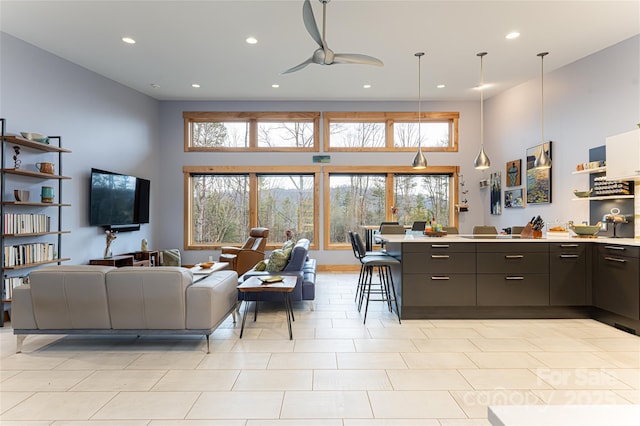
439,256
615,259
614,248
514,256
439,278
514,278
568,245
571,256
439,245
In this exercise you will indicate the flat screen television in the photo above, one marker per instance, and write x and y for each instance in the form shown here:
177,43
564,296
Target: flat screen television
118,200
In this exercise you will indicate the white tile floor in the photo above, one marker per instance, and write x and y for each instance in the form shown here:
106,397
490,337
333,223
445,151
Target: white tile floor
336,371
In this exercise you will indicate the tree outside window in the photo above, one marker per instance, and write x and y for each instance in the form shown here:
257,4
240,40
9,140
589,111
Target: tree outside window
422,197
355,200
285,202
219,208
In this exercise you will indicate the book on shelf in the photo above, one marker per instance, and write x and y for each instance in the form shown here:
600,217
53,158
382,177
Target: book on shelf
24,254
9,283
26,223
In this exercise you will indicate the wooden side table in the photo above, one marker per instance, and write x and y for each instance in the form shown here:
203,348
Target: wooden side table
256,285
117,261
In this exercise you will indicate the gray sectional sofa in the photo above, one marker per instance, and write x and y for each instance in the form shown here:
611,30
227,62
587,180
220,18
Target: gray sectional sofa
89,299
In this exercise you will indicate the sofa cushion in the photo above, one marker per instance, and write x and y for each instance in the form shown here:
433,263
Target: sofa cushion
148,298
70,297
278,259
260,266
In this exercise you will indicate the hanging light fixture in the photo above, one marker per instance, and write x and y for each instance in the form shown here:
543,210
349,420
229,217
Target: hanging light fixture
419,161
482,161
542,160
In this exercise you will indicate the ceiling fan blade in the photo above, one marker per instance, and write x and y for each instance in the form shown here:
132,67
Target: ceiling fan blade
298,67
310,23
355,58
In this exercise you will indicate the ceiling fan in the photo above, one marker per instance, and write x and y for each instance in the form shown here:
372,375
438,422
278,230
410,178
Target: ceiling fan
323,55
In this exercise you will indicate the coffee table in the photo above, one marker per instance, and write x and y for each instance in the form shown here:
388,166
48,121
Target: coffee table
256,285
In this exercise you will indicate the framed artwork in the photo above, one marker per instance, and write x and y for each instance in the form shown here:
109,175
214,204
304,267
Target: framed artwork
514,198
538,180
496,193
513,173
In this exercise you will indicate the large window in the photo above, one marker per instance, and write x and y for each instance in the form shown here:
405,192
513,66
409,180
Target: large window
354,199
390,131
422,197
225,202
364,197
256,131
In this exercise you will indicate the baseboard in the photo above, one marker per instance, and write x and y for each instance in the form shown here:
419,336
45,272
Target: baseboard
338,268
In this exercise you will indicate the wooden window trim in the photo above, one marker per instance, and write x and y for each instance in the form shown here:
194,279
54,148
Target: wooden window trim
388,118
253,118
389,172
252,172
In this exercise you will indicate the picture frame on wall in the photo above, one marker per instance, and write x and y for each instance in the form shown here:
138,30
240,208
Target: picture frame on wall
496,193
514,198
513,173
538,180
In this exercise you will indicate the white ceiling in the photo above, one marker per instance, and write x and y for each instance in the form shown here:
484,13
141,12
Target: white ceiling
184,42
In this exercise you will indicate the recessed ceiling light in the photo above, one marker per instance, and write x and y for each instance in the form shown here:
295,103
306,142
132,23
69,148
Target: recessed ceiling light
367,86
512,35
196,85
275,86
441,86
251,40
128,40
155,85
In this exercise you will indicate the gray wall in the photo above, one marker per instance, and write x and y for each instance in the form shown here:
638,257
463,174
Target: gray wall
586,101
112,127
105,124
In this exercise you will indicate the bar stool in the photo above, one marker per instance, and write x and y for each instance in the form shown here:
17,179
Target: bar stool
369,263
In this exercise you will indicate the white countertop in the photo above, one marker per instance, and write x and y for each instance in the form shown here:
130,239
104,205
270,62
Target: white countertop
564,415
462,238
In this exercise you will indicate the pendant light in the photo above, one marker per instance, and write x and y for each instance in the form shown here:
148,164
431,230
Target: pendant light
542,160
419,161
481,162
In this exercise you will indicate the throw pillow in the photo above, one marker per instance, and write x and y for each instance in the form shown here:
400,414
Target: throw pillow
288,245
278,260
170,257
260,266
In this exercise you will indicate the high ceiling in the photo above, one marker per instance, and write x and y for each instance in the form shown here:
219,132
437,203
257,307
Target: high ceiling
183,42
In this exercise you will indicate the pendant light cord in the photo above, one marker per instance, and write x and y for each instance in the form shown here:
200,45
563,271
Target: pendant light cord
542,55
481,99
419,55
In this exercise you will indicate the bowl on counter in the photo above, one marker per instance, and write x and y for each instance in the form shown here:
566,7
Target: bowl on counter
586,230
582,194
206,265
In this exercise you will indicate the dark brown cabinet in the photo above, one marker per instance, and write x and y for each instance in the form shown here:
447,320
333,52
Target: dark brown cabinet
513,274
616,282
568,277
439,274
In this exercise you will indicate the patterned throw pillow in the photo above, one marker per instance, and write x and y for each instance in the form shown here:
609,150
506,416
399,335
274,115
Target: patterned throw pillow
260,266
278,259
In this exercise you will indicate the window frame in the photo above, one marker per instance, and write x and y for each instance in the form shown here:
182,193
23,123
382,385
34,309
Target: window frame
389,172
253,172
253,118
389,118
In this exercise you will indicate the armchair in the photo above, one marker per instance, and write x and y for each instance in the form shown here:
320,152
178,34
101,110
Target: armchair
241,259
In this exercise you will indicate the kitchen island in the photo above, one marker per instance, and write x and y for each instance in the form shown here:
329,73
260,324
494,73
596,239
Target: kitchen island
502,276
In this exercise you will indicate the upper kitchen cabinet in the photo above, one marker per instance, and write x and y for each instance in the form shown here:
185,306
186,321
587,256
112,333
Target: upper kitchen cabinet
623,156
